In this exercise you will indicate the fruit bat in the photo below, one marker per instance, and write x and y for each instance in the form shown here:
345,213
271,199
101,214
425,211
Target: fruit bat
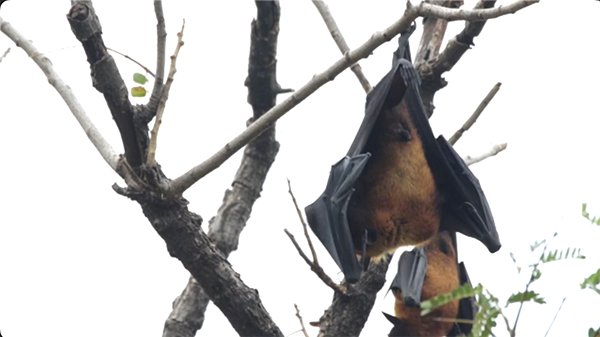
423,273
397,185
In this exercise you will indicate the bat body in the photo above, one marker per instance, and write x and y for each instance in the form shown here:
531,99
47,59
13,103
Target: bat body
417,281
398,185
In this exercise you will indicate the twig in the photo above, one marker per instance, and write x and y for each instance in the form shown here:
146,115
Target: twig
484,103
316,268
555,315
161,41
93,134
182,183
337,36
301,321
4,55
494,151
146,69
304,226
151,160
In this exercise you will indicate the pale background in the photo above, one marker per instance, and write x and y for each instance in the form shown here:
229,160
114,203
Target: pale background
76,259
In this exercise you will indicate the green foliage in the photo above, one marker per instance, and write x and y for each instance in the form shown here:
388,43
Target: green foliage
594,332
139,78
488,313
138,91
466,290
593,219
525,296
556,255
592,282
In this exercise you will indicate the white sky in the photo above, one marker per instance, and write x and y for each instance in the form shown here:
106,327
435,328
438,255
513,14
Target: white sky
76,259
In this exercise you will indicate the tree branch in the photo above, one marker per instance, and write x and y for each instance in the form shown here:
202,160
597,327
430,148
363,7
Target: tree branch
164,96
337,36
469,122
182,183
161,42
107,79
93,134
187,316
494,151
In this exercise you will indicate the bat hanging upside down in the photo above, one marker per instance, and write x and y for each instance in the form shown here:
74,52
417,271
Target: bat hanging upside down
424,273
398,185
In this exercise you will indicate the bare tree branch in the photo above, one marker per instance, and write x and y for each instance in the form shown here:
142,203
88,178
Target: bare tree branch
304,226
164,96
494,151
434,30
187,315
469,122
4,54
182,183
337,36
161,39
93,134
301,321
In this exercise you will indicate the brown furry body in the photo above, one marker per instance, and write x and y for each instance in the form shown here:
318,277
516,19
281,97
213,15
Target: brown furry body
395,197
441,277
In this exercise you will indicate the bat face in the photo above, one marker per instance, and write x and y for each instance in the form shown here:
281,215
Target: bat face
442,276
395,197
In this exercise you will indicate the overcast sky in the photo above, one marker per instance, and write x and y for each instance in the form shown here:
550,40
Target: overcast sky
76,259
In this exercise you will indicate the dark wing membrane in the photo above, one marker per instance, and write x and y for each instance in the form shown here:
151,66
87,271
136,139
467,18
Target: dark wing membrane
466,209
327,215
467,307
473,211
409,279
379,95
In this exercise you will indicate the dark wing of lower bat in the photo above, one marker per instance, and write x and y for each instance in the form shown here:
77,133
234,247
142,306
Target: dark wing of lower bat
409,279
465,207
327,215
467,307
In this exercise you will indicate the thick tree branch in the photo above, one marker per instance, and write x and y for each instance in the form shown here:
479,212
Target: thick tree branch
188,309
434,30
182,183
348,313
107,79
337,36
182,232
101,144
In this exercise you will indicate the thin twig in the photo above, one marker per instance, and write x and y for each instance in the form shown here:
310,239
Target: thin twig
316,268
183,182
304,226
555,315
65,92
301,320
163,99
4,54
337,36
494,151
467,125
146,69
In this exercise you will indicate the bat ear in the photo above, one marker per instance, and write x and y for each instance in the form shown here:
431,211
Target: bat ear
393,319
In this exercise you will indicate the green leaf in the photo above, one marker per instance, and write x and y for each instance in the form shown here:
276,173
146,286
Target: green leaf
139,78
525,296
138,91
556,255
466,290
593,219
592,282
487,315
